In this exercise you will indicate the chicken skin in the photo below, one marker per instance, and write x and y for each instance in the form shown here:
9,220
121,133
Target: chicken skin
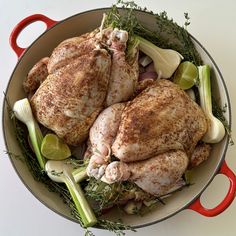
154,139
36,76
105,127
81,78
123,80
156,175
161,118
69,100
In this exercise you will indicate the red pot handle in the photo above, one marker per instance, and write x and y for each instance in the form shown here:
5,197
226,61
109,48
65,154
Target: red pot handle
21,25
198,207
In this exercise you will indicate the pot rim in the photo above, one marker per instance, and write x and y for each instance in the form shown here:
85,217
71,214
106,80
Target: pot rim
135,226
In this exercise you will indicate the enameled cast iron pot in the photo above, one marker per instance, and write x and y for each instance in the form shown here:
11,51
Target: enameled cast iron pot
188,198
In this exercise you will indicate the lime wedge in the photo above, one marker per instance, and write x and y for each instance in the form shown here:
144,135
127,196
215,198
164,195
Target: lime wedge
186,75
54,149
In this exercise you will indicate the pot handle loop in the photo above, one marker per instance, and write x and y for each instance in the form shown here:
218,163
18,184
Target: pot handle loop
198,207
21,25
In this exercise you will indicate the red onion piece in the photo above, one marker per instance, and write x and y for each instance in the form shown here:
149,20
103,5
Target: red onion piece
150,67
147,75
141,69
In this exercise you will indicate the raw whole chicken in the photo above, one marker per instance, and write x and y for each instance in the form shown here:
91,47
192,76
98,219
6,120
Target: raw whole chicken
82,76
154,136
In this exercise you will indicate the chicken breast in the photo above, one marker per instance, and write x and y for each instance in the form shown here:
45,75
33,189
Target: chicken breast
159,119
72,48
70,99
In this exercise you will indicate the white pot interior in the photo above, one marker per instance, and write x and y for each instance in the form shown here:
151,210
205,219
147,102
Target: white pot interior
43,46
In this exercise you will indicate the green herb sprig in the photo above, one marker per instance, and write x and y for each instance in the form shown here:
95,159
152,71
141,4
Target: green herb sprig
166,34
28,157
219,113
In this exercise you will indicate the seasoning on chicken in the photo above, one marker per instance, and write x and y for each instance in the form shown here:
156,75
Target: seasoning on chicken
156,135
159,119
102,135
70,99
200,154
72,48
36,76
156,175
124,75
82,76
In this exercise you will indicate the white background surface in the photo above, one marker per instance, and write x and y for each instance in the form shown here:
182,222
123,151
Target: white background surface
212,23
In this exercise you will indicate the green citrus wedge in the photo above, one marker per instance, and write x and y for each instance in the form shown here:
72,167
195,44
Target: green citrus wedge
186,75
54,149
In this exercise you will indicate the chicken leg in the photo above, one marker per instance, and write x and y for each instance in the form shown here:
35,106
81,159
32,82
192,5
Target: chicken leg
156,175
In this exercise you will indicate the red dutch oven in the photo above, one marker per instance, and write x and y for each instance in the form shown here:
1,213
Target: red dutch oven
188,198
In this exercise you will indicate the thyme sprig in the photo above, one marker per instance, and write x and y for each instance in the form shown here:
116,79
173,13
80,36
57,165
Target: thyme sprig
117,227
165,34
219,113
15,156
41,176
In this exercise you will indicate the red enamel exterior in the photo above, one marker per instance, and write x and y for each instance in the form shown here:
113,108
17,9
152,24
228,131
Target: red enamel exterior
198,207
21,25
